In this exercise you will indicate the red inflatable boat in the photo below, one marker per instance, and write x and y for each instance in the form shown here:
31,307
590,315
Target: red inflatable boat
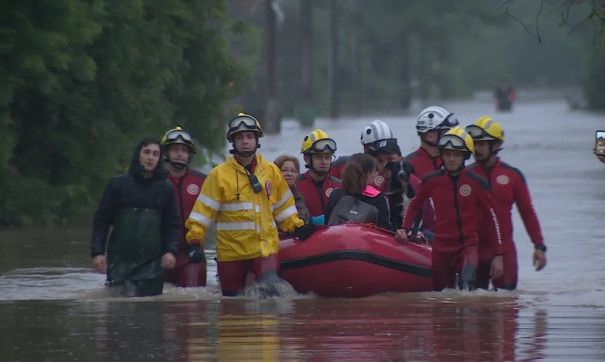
354,260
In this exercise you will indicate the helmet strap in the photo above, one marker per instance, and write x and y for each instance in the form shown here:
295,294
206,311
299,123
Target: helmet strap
177,165
312,168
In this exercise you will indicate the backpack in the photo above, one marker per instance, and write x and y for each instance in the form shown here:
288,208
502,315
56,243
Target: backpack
349,208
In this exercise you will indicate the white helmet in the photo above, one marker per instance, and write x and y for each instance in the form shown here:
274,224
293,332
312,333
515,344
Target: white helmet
434,117
376,131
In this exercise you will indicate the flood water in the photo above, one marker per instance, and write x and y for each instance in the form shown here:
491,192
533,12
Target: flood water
53,307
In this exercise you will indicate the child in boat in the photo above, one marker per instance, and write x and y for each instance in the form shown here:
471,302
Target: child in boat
358,200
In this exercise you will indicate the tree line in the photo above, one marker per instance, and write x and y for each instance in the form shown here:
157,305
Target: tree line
82,80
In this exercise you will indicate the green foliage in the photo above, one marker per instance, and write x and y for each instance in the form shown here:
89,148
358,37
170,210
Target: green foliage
81,81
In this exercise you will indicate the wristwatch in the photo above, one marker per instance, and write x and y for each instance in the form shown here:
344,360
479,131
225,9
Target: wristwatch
540,247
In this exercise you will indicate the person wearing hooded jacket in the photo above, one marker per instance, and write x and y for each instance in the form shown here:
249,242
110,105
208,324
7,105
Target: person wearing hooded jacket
248,198
140,209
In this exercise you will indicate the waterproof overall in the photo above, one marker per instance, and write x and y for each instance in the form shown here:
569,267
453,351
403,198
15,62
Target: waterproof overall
134,253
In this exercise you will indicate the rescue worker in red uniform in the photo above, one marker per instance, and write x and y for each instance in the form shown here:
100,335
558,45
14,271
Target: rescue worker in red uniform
178,149
459,196
507,186
317,184
249,199
432,122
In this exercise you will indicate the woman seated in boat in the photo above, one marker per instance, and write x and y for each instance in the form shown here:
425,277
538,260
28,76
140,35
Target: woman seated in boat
290,168
358,200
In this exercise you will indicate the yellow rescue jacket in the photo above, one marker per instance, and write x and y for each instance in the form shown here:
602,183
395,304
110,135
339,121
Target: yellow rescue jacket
246,222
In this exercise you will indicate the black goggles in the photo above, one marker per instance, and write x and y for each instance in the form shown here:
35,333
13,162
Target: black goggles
175,135
323,145
478,133
243,121
452,142
256,186
450,121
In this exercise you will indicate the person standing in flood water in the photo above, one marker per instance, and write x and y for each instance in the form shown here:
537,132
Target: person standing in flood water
317,184
431,123
178,149
508,187
140,209
459,196
249,198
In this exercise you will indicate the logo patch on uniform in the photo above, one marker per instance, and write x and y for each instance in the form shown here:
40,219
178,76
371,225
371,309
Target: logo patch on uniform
502,179
465,190
268,188
193,189
378,180
329,191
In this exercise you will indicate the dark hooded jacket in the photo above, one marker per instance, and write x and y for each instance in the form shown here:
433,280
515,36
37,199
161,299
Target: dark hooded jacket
133,191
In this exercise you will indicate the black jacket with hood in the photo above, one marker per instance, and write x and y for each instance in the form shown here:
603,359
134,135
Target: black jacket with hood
133,190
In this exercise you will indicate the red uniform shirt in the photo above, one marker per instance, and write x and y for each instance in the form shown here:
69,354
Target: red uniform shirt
508,186
316,195
457,202
186,190
423,162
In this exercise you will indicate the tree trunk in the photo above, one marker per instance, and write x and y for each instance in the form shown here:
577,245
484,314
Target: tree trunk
306,111
334,100
406,91
272,120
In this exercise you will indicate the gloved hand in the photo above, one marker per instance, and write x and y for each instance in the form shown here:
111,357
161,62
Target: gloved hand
303,232
196,254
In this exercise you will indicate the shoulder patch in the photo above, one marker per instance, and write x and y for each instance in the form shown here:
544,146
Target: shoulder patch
480,180
515,170
431,175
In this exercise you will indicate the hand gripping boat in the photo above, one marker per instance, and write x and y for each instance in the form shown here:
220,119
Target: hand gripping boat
354,260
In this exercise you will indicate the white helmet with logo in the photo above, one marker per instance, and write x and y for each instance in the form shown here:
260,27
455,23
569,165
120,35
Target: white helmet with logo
435,117
376,131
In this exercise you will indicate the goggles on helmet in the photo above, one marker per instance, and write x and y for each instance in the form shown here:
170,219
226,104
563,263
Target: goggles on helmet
247,122
450,121
452,142
478,133
175,135
323,145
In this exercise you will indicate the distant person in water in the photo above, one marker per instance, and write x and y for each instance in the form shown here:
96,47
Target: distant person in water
140,209
504,96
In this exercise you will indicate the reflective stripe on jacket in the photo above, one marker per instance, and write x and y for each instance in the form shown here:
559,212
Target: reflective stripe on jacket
246,222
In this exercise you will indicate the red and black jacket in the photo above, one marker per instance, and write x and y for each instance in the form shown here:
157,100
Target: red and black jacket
508,186
458,201
316,194
423,162
186,190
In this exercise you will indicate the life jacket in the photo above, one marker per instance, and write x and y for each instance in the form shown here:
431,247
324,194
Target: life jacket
350,208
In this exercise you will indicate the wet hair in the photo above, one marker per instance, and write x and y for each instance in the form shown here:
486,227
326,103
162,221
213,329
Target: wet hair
148,141
355,174
280,160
